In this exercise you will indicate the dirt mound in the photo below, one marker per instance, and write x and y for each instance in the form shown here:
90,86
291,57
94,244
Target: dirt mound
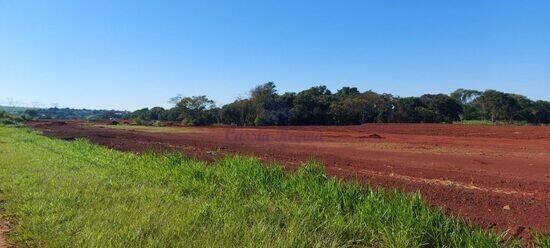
374,136
371,136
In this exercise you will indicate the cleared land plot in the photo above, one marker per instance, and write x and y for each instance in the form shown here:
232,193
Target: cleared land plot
76,194
496,176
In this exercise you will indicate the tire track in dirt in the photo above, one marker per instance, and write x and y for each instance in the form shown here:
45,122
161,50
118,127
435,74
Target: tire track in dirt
447,183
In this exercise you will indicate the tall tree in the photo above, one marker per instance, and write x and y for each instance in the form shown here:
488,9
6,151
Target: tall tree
525,109
465,96
541,111
193,110
497,106
156,113
240,112
348,107
264,101
408,110
443,107
312,106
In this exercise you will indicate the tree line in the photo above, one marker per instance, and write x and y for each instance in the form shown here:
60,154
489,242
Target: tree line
71,114
25,114
348,106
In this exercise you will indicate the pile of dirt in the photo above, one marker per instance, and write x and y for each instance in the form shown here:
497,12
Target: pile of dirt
371,136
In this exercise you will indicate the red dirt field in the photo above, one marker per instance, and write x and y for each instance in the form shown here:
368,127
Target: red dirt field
496,176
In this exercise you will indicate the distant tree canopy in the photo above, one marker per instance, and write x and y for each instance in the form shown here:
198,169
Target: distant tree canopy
63,113
348,106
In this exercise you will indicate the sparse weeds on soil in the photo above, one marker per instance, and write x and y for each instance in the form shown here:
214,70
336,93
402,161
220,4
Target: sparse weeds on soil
82,195
151,129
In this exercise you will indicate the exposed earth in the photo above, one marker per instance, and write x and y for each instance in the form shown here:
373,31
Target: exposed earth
3,229
498,177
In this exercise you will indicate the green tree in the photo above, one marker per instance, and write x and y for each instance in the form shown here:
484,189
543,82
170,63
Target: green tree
31,114
3,114
348,107
264,102
471,112
408,110
541,112
346,92
525,108
239,112
465,96
312,106
497,106
140,115
156,113
231,114
194,110
385,107
171,114
441,108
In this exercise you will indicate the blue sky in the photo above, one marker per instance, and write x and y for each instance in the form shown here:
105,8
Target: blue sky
133,54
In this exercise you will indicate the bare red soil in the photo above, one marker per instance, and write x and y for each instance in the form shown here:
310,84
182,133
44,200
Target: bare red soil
3,229
498,177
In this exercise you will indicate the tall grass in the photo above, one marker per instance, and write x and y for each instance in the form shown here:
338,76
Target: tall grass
542,240
81,195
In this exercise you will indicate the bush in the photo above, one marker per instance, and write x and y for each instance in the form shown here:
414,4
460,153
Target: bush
157,124
7,119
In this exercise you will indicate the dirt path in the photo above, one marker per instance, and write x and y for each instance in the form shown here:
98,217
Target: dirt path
496,176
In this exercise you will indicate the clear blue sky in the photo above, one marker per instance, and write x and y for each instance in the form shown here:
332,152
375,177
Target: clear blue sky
133,54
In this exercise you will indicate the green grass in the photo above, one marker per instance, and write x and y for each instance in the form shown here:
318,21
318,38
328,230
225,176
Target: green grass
81,195
542,240
496,123
476,122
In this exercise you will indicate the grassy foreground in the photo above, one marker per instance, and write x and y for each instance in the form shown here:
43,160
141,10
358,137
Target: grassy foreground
81,195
